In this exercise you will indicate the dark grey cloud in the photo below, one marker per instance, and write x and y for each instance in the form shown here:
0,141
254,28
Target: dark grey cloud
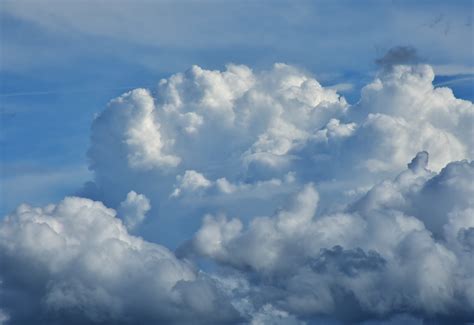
402,54
349,262
466,238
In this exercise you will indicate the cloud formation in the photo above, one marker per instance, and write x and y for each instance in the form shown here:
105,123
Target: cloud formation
75,262
133,209
397,56
290,205
246,127
372,260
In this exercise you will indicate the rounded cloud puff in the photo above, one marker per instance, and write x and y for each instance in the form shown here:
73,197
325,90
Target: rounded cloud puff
231,124
372,260
407,114
76,263
134,208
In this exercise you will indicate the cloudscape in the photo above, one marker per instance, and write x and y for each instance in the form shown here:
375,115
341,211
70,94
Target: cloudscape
236,163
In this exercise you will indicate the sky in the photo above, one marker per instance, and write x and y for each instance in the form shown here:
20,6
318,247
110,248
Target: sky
260,162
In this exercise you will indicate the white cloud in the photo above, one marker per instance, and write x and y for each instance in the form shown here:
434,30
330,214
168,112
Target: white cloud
130,125
76,262
403,113
190,181
270,315
133,209
247,127
234,126
379,257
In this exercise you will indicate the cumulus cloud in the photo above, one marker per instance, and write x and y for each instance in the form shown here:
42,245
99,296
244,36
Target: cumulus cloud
75,262
270,315
134,209
399,55
132,114
190,181
248,127
399,114
379,257
290,205
236,124
192,184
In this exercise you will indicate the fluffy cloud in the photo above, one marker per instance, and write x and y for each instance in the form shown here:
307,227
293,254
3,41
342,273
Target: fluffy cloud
193,183
234,124
136,129
248,127
76,263
326,221
269,315
404,102
133,209
190,181
399,114
372,260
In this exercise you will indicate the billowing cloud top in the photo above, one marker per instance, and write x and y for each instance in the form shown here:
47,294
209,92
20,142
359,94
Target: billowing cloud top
241,126
312,209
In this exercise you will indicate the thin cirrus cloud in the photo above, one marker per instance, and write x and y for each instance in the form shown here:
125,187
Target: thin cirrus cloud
287,205
153,34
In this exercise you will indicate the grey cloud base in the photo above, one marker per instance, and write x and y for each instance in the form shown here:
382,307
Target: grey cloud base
372,260
76,263
290,205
